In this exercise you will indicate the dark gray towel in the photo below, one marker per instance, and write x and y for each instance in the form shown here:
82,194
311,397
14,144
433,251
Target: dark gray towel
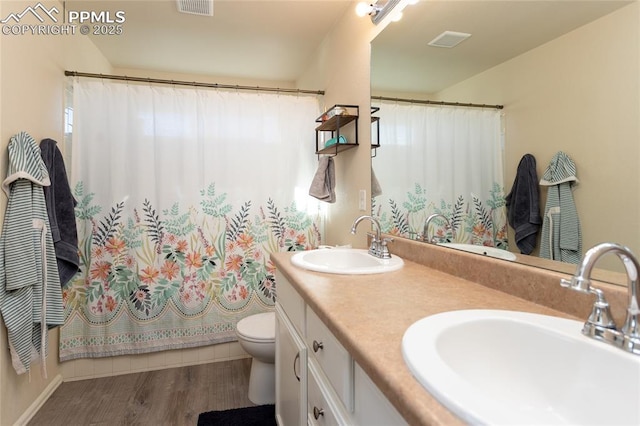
61,212
523,205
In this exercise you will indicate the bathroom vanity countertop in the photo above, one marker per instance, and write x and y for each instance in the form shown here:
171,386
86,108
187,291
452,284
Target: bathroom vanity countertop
370,313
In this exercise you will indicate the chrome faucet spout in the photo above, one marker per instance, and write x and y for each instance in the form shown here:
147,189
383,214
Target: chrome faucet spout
599,325
378,246
425,231
374,221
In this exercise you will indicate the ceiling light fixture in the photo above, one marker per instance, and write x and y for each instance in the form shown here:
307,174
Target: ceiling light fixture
396,17
364,9
376,9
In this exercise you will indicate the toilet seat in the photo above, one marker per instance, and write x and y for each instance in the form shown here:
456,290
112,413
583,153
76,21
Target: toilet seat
258,328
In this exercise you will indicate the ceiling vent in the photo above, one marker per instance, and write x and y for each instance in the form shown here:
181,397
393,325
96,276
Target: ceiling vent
449,39
196,7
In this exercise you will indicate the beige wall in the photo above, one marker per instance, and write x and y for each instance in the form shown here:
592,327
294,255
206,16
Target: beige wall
341,67
131,72
579,94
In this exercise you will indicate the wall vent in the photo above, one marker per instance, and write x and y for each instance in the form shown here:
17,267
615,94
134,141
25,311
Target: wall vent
196,7
449,39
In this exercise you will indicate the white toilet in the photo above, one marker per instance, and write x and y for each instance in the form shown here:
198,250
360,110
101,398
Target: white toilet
257,336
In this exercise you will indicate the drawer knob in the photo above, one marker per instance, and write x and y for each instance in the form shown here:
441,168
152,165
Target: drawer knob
317,412
317,346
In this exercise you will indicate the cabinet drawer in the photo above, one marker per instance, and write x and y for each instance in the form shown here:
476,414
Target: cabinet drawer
323,407
291,302
332,357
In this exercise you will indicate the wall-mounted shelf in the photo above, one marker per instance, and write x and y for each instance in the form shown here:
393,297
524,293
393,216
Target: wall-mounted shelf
375,144
331,122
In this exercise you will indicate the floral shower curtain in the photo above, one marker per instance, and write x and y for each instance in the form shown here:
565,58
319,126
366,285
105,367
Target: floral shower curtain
182,195
441,159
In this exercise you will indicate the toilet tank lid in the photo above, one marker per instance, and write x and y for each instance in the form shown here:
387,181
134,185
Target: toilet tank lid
258,326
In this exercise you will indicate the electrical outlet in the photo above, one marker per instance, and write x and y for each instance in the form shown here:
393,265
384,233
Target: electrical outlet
362,200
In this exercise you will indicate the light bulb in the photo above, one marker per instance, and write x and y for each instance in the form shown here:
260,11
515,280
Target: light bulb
396,17
363,8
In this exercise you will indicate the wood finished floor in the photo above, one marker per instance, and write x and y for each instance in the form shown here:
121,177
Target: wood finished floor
174,396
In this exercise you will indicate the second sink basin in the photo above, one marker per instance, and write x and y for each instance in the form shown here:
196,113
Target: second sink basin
505,367
345,261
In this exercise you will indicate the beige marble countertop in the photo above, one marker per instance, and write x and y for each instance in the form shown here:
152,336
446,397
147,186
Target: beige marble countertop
370,313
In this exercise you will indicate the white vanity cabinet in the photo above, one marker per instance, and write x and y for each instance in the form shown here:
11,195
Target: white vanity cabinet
317,381
291,357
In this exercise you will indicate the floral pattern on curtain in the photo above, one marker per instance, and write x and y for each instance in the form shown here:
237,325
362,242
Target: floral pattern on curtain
177,266
475,221
445,160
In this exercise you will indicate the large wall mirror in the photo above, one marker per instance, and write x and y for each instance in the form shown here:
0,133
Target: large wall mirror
568,76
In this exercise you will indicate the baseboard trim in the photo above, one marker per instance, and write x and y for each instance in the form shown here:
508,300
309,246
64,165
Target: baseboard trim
39,402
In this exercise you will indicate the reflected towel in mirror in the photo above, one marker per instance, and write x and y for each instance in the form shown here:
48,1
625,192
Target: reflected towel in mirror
523,205
375,185
561,233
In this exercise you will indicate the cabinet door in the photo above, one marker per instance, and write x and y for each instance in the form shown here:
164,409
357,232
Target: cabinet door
291,373
372,408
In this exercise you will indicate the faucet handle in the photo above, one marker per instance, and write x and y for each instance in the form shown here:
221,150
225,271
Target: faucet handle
374,248
600,317
578,284
600,313
384,250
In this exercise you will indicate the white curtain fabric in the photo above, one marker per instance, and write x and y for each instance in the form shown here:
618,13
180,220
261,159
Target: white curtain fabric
183,193
173,141
432,155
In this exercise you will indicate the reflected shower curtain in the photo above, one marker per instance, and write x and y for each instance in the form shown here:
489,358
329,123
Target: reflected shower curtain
182,195
441,159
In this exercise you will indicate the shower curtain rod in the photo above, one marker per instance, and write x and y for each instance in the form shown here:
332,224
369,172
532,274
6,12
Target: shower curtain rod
427,102
191,83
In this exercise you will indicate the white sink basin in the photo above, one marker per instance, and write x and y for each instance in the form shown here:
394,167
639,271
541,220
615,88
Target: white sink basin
504,367
484,250
345,261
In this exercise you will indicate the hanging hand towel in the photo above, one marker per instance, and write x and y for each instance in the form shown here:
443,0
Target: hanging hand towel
523,205
561,235
323,184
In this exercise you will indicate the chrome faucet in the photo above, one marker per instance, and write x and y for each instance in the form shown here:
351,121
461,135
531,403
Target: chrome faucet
600,324
378,246
425,231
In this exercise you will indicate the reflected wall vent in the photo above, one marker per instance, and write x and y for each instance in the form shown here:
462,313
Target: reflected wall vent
196,7
449,39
